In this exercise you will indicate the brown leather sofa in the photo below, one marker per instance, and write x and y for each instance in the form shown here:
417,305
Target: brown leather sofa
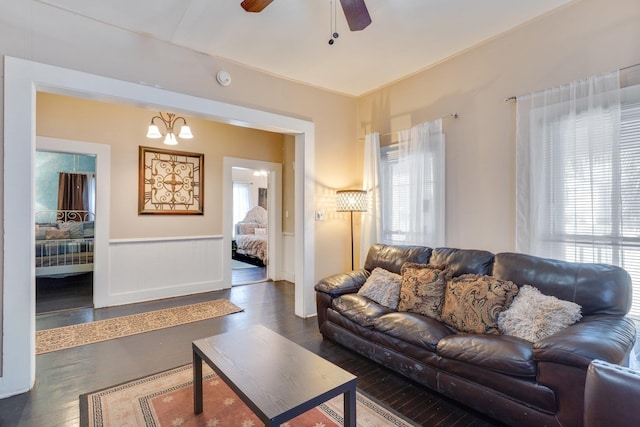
510,379
612,393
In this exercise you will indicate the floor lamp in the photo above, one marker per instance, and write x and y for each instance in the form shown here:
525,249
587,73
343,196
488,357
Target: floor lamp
351,201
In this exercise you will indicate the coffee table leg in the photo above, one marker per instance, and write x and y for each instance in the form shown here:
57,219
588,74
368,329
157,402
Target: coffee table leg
350,407
197,383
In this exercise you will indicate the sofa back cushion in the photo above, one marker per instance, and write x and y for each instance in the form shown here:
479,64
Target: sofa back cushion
391,257
597,288
463,261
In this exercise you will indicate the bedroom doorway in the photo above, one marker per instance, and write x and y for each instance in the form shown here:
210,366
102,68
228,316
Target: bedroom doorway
65,186
250,240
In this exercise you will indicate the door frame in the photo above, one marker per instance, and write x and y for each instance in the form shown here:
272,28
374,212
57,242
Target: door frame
22,79
102,211
274,198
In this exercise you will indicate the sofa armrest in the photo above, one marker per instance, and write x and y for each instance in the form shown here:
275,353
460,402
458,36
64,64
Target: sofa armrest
343,283
611,395
605,337
333,286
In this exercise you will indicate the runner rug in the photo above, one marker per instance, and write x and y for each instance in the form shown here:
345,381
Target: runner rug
166,399
49,340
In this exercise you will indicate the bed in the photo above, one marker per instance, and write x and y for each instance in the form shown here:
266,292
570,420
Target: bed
64,242
250,242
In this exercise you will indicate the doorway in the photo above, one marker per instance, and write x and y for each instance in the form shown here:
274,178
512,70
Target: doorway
250,239
65,222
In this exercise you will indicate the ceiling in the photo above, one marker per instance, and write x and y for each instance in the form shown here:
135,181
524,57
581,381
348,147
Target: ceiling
290,38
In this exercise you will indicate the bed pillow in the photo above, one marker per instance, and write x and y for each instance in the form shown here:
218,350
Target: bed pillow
534,316
41,230
260,232
422,289
383,287
473,302
55,234
87,229
76,230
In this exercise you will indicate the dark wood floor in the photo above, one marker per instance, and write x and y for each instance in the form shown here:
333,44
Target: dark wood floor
245,276
63,375
64,293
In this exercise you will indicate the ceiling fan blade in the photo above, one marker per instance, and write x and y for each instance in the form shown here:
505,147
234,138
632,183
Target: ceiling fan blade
356,13
255,5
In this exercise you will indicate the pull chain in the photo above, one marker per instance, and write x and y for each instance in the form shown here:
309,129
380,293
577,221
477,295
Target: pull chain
333,23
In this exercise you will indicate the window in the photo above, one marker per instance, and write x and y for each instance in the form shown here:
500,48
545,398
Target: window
241,202
584,180
412,187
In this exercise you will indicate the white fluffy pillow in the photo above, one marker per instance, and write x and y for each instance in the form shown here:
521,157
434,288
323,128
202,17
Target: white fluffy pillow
383,287
534,316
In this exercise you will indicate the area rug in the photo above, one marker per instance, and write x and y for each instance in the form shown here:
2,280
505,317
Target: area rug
49,340
239,265
166,399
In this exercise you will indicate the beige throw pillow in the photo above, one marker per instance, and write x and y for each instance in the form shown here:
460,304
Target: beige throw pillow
422,289
534,316
473,302
55,234
383,287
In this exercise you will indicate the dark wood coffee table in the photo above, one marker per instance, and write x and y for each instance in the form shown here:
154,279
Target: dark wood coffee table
275,377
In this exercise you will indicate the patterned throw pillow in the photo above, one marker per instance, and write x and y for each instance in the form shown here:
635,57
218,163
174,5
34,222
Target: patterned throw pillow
422,289
534,316
383,287
473,302
55,234
75,229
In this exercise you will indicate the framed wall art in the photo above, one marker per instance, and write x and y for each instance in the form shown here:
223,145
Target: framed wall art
170,182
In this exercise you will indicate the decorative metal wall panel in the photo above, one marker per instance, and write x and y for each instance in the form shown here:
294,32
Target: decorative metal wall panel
170,182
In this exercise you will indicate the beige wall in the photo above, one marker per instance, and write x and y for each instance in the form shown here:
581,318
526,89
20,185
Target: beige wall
586,38
124,129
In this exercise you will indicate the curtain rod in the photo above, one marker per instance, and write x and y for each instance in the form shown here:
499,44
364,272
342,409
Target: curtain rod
448,116
515,98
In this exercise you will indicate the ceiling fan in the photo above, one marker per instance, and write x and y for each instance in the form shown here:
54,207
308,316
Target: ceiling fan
354,10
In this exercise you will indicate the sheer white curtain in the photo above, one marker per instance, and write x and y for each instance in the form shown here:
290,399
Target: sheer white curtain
241,202
371,230
412,191
420,215
569,170
578,174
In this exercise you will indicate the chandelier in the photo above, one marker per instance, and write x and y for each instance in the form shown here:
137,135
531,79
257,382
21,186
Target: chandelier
169,123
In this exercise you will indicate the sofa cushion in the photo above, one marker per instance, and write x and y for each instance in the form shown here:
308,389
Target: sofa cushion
392,257
422,289
499,353
463,261
534,316
472,302
413,328
383,287
359,309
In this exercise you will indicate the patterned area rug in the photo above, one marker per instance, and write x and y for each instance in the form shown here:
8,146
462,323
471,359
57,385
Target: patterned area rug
166,399
49,340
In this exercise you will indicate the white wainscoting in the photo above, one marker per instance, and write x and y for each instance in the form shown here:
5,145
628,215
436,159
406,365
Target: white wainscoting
288,257
148,269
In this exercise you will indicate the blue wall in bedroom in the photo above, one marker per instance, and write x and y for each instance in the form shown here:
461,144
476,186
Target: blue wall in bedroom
47,167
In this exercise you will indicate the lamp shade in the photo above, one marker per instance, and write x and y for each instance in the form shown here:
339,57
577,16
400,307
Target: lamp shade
351,201
185,132
153,132
170,139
